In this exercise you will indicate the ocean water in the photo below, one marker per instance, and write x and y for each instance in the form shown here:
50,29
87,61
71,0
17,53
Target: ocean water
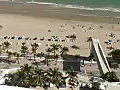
87,7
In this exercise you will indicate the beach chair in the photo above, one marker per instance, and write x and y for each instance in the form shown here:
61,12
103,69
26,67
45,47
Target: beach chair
49,39
35,38
41,39
27,38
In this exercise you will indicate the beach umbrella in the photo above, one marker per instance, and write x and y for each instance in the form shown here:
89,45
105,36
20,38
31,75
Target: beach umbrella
13,37
110,40
19,38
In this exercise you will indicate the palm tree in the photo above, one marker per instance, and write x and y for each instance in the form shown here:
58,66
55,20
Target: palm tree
49,50
89,39
17,55
34,49
26,68
7,45
9,56
55,48
64,50
22,77
28,72
37,77
73,37
56,77
1,48
56,58
24,49
73,79
46,81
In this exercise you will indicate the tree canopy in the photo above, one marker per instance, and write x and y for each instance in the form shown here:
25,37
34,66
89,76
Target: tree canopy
110,77
30,76
115,55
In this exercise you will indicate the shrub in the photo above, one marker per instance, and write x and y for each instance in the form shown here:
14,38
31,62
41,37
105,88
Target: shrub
110,77
116,55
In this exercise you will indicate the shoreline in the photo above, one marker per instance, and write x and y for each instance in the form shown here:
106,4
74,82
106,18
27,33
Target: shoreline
47,11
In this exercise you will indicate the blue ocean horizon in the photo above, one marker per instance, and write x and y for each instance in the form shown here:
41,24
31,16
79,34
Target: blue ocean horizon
87,7
114,3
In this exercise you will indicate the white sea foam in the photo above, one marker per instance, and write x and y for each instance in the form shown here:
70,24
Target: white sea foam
95,15
78,7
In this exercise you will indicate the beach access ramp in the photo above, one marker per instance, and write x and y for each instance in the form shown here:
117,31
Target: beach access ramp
99,56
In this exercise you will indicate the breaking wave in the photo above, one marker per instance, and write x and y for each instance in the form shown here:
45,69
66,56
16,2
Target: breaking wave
78,7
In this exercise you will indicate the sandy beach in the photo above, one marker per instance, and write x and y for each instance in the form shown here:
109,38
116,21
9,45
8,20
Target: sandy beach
26,26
